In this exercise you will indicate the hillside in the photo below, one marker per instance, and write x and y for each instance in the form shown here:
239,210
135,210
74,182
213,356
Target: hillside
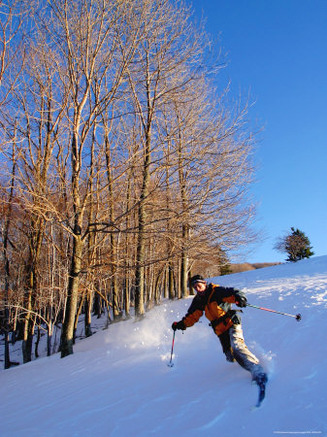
214,268
118,383
245,267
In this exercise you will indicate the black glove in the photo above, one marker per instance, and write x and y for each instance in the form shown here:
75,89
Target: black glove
178,325
240,299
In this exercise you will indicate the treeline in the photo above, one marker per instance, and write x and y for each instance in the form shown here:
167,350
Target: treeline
121,163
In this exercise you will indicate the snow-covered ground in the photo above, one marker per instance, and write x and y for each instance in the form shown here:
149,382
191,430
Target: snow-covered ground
118,383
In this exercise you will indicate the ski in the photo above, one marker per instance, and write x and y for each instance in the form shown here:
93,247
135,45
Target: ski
261,382
262,393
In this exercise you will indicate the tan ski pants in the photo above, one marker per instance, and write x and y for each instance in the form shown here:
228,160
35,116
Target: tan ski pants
242,354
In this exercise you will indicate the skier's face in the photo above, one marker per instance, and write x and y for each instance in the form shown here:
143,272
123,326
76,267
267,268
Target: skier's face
200,287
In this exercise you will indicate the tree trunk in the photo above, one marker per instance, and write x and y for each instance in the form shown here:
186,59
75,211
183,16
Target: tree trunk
171,291
27,342
126,296
67,334
38,338
140,252
49,337
88,313
184,264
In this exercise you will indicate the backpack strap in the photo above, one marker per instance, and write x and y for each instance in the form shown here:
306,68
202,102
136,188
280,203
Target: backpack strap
223,319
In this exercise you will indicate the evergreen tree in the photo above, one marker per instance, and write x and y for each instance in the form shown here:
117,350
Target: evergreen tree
296,244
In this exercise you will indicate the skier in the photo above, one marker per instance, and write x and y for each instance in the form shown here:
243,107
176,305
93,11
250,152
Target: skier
215,302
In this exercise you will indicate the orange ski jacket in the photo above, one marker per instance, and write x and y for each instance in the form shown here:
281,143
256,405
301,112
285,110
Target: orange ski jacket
215,302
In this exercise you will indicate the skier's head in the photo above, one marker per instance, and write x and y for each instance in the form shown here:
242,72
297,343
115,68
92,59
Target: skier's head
198,283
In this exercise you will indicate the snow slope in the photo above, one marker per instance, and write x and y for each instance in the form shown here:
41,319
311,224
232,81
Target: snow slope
118,383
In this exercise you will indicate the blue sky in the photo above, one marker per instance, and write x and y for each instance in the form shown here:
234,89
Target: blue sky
277,53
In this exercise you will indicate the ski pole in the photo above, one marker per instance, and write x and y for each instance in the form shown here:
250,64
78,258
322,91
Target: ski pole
296,316
170,364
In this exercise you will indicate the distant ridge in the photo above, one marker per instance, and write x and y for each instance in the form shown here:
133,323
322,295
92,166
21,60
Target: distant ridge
210,270
245,267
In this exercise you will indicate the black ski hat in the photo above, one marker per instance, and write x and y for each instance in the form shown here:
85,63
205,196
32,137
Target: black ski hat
197,278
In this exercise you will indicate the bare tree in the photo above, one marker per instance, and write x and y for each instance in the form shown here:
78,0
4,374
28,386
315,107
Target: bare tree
168,46
40,119
12,16
6,258
88,32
